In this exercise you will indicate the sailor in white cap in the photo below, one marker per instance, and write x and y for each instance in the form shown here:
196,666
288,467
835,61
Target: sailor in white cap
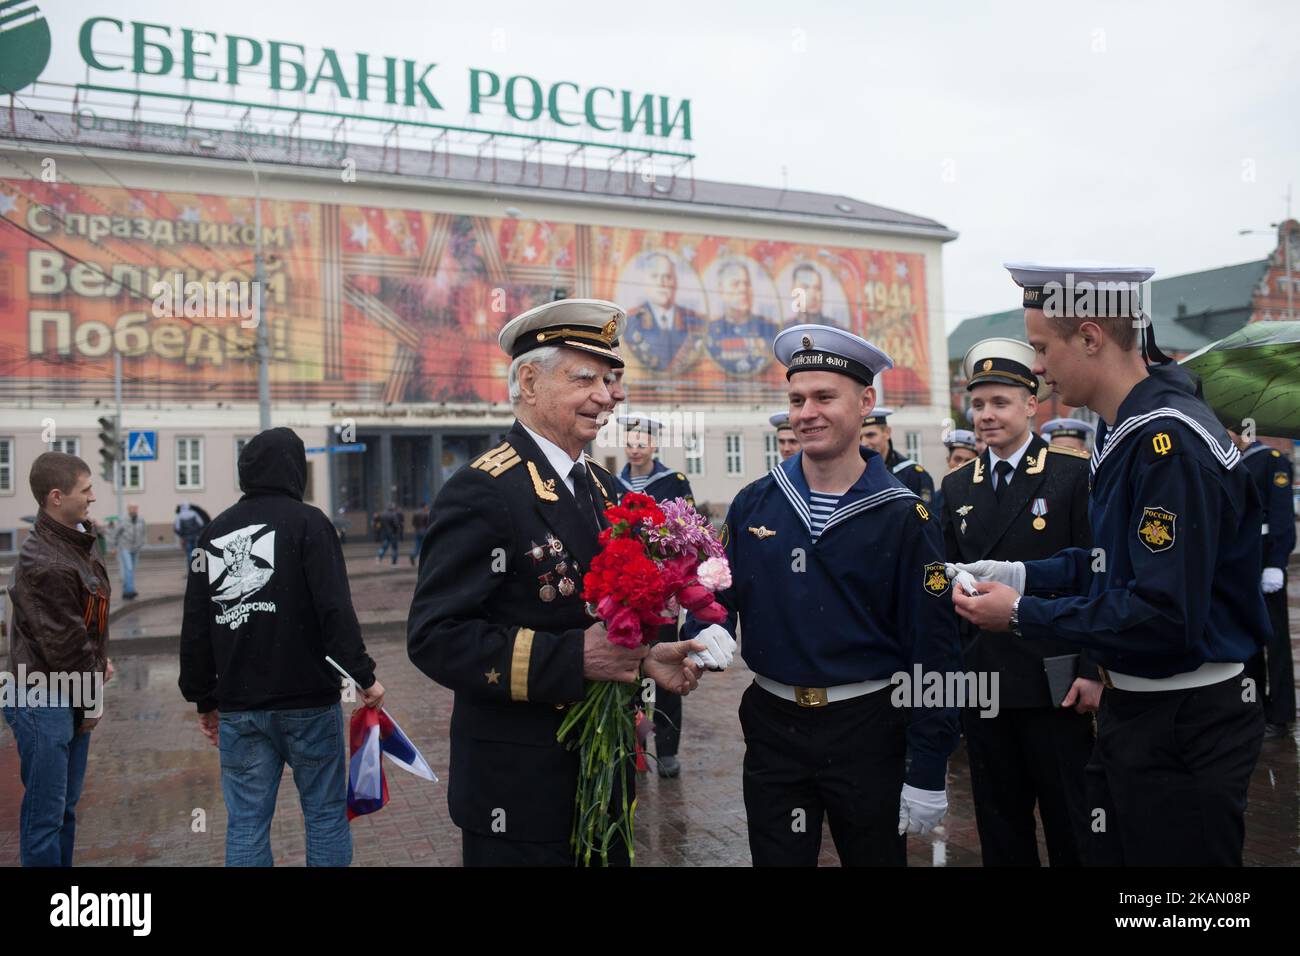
878,436
498,615
786,444
1018,502
838,584
1068,432
960,443
1162,598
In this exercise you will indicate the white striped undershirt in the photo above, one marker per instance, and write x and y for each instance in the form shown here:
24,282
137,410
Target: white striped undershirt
820,508
638,482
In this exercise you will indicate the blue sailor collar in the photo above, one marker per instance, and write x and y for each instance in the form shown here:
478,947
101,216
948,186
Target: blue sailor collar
1166,392
1256,447
656,472
874,487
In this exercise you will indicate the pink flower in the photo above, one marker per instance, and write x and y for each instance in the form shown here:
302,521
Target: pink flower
693,597
715,574
625,628
713,613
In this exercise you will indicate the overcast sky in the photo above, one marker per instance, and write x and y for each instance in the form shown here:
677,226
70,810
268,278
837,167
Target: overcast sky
1149,133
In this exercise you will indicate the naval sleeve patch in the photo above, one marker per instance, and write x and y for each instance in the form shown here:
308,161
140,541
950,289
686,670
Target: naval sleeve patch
933,579
1281,480
1156,529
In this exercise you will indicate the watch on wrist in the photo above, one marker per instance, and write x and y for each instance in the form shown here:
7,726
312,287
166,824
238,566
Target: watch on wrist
1014,622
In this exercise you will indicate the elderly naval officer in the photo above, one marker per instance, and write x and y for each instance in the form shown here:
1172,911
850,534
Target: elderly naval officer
1021,500
497,614
1161,600
838,585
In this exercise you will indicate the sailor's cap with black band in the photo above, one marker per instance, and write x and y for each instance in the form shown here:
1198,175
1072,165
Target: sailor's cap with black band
959,438
1107,290
1003,362
641,423
823,348
1067,428
781,421
592,326
879,416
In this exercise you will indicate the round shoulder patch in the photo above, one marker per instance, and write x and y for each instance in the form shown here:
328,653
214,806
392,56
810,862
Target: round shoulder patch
1276,453
680,476
919,468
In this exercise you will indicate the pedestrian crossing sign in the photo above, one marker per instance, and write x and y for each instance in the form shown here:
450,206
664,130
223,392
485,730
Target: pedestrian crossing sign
142,446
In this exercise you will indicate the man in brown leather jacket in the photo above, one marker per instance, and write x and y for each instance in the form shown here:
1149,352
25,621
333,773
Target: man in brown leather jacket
58,656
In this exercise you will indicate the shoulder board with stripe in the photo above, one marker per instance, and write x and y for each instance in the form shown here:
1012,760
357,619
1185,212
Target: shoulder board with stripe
1072,452
968,461
498,460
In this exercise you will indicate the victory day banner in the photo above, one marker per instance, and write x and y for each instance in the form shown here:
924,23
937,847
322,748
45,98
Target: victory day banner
372,304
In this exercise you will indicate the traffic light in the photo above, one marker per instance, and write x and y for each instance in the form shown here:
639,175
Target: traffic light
110,447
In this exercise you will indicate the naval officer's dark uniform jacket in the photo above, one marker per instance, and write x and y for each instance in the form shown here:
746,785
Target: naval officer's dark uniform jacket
1032,751
914,478
493,620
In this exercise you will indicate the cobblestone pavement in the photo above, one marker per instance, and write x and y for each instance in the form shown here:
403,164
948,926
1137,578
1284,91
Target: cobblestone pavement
151,771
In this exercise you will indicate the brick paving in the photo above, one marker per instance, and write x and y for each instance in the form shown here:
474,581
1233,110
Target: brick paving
150,768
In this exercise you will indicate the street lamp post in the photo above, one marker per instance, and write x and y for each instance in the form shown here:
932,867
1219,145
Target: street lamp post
259,280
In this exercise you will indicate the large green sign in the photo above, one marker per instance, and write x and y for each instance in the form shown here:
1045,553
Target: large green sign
247,65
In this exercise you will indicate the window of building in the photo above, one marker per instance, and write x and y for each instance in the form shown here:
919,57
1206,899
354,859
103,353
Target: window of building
771,453
189,464
913,444
694,455
131,475
69,446
735,457
6,466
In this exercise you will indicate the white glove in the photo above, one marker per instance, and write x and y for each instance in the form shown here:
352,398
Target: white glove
719,646
1010,573
962,579
920,811
1271,580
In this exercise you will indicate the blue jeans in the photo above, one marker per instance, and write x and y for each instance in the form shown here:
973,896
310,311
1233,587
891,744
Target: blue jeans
126,561
417,540
384,545
255,746
52,760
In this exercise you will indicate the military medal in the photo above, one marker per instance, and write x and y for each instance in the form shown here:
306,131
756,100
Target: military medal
547,591
566,587
555,544
536,552
1039,509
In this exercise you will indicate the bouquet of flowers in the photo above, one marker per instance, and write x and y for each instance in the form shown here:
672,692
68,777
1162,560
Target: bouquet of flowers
655,559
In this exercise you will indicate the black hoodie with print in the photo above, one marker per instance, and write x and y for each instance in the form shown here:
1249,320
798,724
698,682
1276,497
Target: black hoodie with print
268,595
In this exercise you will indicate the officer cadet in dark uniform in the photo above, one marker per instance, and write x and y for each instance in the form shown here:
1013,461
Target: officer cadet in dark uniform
878,436
1160,600
837,586
1273,668
645,474
1022,500
787,446
1068,432
497,614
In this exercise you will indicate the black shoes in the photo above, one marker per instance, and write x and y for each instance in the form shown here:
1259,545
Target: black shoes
1276,730
669,766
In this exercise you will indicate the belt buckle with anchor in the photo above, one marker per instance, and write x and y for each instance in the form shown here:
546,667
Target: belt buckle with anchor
810,696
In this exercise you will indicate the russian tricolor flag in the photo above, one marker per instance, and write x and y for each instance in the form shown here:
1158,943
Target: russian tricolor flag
371,734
